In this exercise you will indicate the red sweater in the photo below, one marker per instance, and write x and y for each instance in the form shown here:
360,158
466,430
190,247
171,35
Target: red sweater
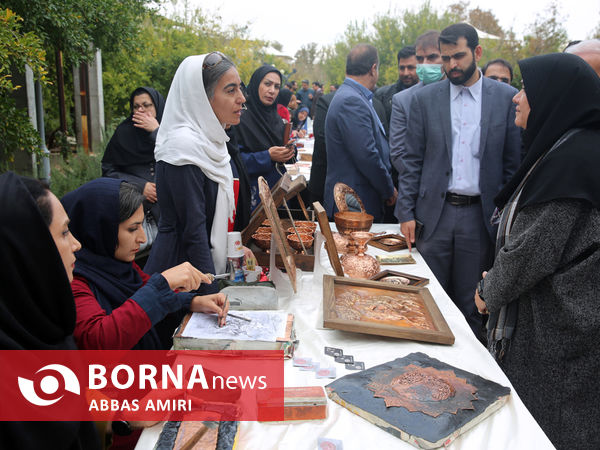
96,330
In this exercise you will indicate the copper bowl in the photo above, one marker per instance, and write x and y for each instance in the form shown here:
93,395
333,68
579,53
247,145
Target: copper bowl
266,223
349,221
263,230
307,240
262,240
306,224
301,230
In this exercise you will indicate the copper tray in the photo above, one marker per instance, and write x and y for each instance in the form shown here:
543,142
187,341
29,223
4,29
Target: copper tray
413,279
389,242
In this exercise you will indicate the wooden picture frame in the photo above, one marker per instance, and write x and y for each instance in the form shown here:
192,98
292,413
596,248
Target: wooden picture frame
376,242
285,188
438,331
278,233
415,281
330,247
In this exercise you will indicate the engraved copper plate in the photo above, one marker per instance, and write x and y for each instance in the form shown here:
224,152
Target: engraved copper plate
187,433
396,280
402,309
420,399
425,389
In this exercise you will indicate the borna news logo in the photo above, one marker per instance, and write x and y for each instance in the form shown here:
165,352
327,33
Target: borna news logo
49,385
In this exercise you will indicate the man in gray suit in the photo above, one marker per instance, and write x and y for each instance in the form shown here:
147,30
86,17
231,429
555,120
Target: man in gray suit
462,146
429,70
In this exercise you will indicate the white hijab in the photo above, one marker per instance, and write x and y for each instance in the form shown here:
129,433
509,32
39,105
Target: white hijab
190,133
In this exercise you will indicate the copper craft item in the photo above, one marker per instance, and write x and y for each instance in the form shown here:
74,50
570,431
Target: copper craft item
263,241
360,265
307,240
424,389
340,190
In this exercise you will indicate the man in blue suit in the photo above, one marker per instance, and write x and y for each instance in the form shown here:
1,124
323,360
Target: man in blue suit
462,146
357,149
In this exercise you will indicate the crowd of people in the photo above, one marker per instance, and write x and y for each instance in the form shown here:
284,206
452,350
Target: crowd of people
497,188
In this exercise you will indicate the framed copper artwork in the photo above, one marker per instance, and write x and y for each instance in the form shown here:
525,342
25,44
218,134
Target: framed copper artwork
405,279
389,242
366,306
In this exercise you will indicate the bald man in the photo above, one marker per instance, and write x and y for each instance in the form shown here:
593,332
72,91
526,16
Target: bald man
588,50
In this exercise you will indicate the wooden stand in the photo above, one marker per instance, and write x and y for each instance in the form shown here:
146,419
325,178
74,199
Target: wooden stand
334,258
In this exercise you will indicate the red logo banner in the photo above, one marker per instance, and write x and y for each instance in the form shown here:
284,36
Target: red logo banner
139,385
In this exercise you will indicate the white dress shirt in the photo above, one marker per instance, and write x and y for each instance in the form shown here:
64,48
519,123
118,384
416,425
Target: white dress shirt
465,109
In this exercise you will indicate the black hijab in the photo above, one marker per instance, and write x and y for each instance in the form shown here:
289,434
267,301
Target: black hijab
563,92
284,97
37,311
131,145
260,127
36,304
94,212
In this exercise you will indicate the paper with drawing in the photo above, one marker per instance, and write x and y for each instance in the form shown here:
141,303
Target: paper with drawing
264,326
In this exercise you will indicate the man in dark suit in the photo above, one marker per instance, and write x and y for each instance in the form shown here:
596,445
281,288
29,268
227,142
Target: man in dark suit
318,169
407,77
462,146
357,149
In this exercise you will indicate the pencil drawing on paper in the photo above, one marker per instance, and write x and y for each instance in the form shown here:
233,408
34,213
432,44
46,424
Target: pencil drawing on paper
264,326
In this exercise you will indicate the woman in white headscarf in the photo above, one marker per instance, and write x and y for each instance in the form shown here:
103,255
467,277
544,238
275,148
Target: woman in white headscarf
194,172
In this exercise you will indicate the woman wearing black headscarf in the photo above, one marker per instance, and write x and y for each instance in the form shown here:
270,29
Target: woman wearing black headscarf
37,311
129,154
542,292
118,305
260,132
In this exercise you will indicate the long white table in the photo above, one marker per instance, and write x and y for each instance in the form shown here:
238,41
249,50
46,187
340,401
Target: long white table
512,427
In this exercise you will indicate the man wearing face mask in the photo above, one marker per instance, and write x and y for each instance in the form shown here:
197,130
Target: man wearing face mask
429,70
461,147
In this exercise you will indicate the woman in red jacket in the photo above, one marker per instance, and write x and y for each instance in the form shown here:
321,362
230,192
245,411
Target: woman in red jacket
119,307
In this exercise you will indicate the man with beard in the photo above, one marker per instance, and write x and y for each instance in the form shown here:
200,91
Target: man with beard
407,77
462,146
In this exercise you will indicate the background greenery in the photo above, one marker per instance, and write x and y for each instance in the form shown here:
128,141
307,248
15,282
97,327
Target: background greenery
142,47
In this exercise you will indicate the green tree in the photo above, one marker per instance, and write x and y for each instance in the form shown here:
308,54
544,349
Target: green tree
16,50
334,56
547,34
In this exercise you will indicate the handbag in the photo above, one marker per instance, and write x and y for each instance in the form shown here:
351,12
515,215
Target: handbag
150,229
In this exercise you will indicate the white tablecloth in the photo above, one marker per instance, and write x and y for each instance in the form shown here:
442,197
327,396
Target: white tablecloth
512,427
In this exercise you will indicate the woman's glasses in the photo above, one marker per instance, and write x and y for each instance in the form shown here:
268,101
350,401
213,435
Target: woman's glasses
137,106
212,59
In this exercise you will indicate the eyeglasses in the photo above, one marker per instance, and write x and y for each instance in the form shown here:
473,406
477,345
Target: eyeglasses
143,105
212,59
502,79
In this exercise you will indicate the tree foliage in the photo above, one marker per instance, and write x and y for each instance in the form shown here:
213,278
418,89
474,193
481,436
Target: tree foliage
163,43
77,27
16,49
